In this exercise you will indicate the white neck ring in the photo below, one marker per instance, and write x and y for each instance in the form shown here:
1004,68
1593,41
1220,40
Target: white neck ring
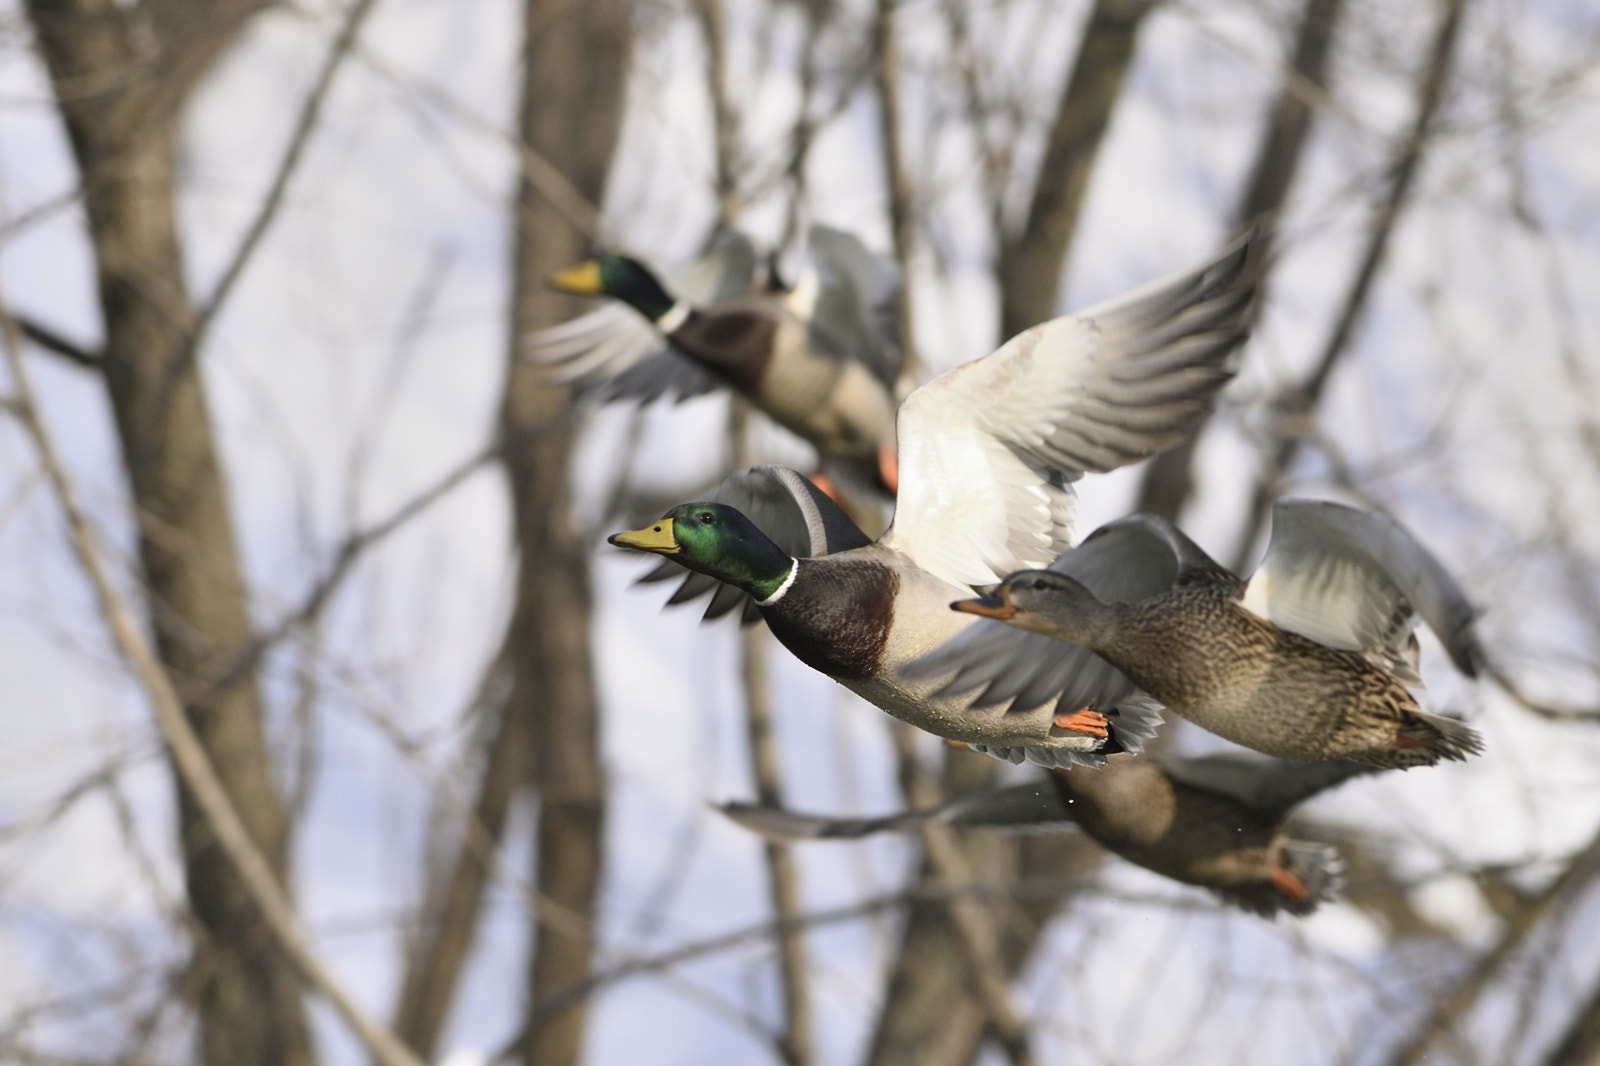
676,316
777,594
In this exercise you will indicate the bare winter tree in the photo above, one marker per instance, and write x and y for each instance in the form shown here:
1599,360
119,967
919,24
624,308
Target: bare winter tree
444,760
122,75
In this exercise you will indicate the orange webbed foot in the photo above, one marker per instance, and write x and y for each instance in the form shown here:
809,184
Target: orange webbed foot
1288,884
1086,720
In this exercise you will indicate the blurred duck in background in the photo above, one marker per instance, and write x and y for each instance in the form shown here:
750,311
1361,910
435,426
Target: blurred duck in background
821,359
1216,821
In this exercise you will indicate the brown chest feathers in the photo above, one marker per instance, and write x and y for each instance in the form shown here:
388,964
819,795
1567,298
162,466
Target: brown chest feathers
734,342
836,616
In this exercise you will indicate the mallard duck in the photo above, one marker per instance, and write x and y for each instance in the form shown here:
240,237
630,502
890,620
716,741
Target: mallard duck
1310,659
987,451
1216,821
821,359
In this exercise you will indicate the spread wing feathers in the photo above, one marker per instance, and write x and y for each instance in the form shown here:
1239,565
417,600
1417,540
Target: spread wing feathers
987,449
784,505
614,353
1124,561
855,312
1356,580
1023,807
1273,787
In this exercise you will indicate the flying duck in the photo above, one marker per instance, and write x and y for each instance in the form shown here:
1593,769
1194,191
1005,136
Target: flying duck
1311,659
987,454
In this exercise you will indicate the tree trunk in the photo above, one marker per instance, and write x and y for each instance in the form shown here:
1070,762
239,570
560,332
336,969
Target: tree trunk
119,78
1032,260
929,1014
1169,480
1298,404
576,57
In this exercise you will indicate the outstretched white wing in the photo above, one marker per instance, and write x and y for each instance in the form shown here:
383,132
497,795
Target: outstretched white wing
988,450
1356,580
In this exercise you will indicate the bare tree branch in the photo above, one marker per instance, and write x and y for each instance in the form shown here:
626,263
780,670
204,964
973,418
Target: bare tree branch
1450,1009
288,164
54,343
1297,403
897,182
1033,258
189,755
1169,480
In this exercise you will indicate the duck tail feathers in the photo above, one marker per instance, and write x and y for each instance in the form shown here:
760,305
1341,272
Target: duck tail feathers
1448,738
1306,876
1318,867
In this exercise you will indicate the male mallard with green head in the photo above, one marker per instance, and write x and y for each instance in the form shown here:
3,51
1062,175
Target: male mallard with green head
988,452
820,359
1310,659
1215,821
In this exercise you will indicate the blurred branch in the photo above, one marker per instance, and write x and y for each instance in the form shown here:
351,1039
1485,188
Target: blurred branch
310,113
1033,257
54,343
1297,403
345,557
1169,480
994,151
804,133
976,934
565,198
897,182
188,755
1450,1009
980,895
783,878
1512,688
724,121
453,898
1580,1046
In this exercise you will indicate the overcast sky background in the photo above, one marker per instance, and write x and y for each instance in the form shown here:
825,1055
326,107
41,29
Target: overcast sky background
1461,410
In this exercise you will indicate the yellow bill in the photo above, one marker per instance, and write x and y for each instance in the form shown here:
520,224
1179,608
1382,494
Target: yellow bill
656,538
583,279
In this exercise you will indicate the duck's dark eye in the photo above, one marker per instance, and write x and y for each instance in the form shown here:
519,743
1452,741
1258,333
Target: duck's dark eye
707,518
1039,583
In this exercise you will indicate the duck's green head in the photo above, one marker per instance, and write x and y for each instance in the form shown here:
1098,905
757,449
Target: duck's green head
620,277
718,540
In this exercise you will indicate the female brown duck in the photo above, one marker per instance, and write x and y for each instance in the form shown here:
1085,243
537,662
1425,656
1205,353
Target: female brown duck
1310,659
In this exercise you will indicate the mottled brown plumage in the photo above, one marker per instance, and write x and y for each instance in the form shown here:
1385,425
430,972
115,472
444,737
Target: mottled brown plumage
1204,836
1222,654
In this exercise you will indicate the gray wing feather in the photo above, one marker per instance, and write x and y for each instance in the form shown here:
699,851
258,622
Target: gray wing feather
1021,807
1272,786
1354,579
1171,346
784,505
856,313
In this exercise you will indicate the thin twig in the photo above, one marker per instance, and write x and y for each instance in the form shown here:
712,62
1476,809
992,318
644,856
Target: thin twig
543,175
188,755
896,177
310,113
1299,401
54,343
347,555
